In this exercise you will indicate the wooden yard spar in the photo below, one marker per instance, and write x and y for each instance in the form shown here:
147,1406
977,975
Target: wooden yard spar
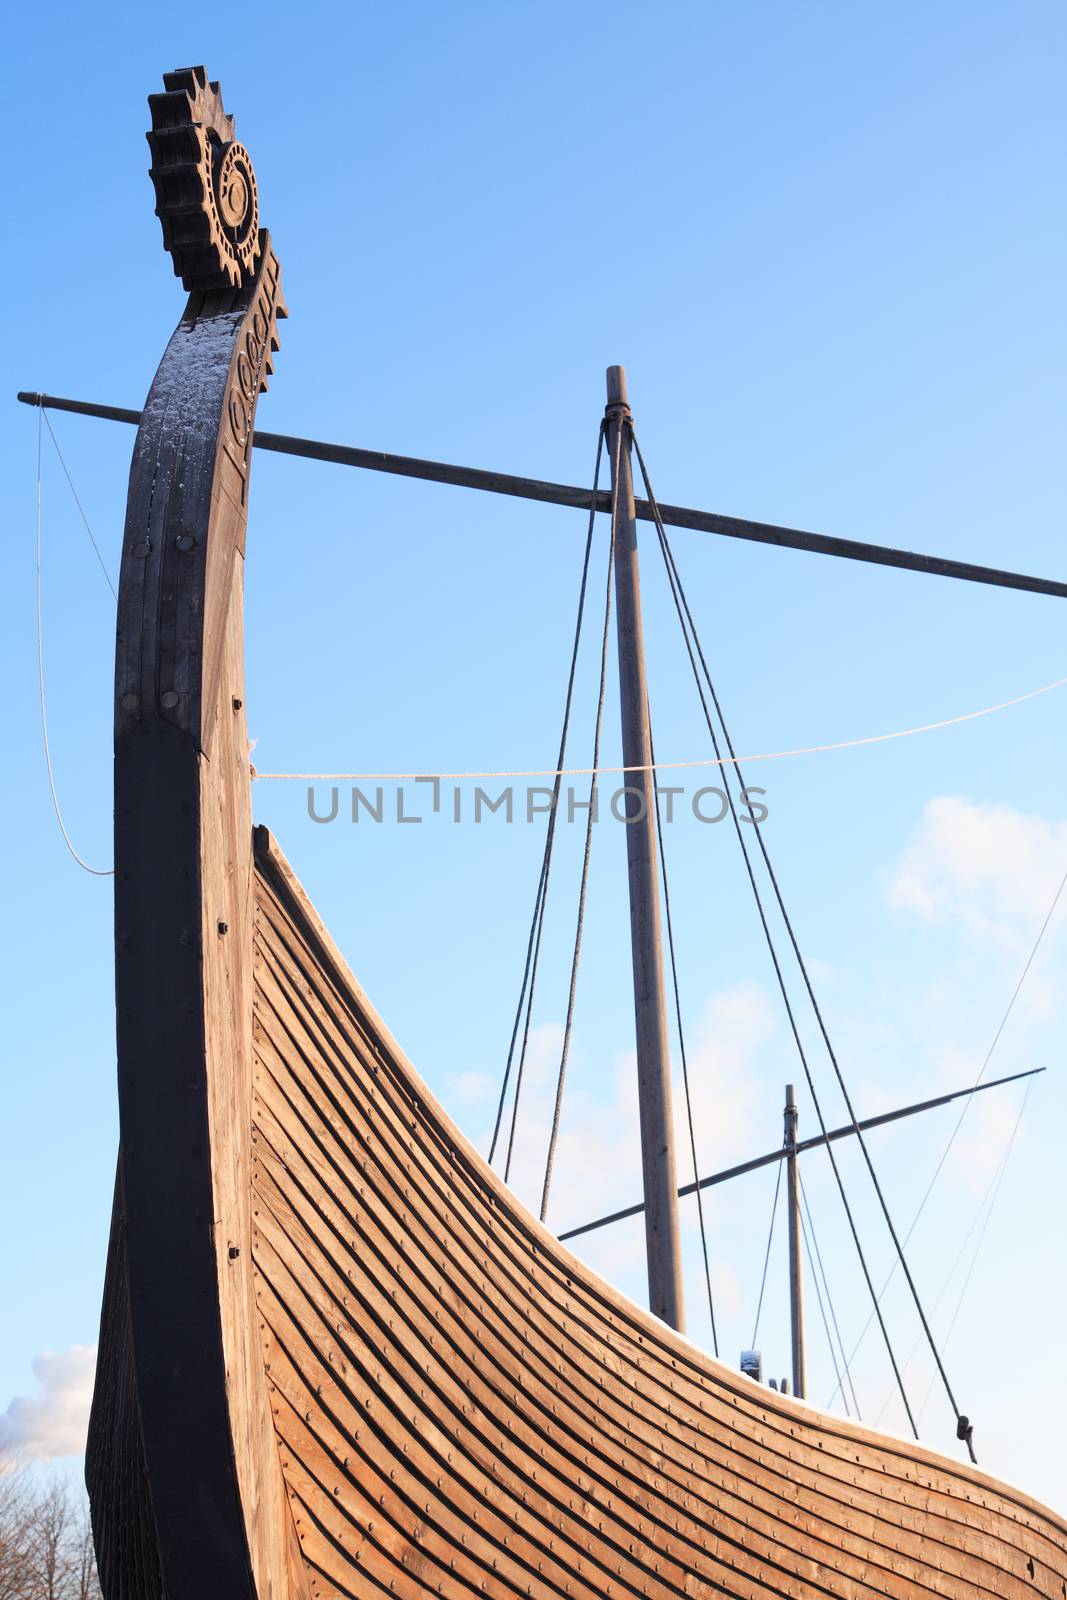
337,1357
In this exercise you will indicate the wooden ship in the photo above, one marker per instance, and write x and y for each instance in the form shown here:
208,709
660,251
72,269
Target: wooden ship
337,1356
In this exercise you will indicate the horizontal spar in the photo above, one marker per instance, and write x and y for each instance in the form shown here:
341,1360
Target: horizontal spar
563,494
814,1143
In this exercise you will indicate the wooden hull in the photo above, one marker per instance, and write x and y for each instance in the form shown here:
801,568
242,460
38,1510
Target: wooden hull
337,1357
460,1407
463,1408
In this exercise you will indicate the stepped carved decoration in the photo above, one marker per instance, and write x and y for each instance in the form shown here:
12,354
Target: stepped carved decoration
337,1357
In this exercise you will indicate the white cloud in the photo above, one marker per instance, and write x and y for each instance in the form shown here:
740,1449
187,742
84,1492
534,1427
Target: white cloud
472,1088
53,1422
989,868
598,1156
723,1076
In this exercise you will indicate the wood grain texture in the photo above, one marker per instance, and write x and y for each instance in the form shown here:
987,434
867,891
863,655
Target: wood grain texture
127,1550
179,1350
464,1409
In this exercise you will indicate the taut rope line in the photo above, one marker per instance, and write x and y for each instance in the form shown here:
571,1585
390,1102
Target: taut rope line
96,872
662,766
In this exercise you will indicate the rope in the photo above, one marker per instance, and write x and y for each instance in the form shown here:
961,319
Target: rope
533,948
683,1054
966,1107
818,1296
960,1253
96,872
807,1227
767,1254
688,625
77,501
663,766
568,1026
985,1225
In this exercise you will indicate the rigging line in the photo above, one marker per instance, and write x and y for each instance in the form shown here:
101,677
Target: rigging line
535,928
767,1254
968,1102
682,1050
981,1237
996,1040
671,766
77,502
685,618
965,1431
95,872
829,1301
533,948
960,1253
822,1307
520,1071
590,820
980,1212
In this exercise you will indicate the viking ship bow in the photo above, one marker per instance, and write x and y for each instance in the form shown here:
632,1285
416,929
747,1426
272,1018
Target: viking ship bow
337,1357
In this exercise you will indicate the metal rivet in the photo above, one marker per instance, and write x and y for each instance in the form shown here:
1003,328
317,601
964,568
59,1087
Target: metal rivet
141,549
169,699
130,702
237,704
224,927
235,1251
185,541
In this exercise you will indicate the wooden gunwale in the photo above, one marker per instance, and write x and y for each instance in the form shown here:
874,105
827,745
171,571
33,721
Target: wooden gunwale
762,1418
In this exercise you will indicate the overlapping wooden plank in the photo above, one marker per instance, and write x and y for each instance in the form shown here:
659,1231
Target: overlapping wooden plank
459,1210
374,1210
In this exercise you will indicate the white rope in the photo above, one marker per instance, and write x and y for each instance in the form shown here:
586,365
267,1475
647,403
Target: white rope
97,872
663,766
951,1141
985,1228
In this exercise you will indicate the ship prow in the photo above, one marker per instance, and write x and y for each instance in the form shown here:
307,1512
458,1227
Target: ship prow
337,1356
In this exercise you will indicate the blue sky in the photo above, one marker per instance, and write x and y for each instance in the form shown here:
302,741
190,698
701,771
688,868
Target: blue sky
827,243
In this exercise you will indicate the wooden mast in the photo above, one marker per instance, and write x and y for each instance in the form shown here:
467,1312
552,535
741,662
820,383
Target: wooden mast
662,1237
796,1283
